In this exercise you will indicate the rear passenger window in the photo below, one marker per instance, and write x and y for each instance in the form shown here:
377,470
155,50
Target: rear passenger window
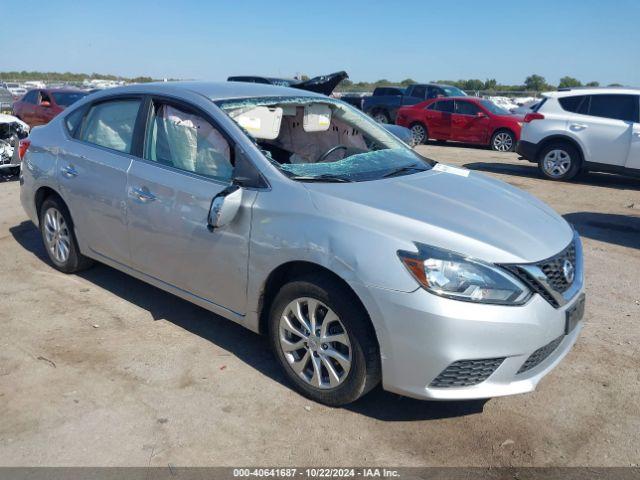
31,97
466,108
110,124
618,107
571,104
419,91
445,106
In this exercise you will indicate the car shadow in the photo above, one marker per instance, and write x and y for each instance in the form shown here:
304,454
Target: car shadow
247,346
530,170
623,230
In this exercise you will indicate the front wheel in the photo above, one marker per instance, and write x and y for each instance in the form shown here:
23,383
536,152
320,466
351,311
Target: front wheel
323,341
503,141
559,161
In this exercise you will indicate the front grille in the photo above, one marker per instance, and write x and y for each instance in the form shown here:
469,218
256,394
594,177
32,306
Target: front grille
533,284
537,357
465,373
553,268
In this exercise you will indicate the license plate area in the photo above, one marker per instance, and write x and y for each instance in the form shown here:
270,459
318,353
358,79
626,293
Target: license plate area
574,315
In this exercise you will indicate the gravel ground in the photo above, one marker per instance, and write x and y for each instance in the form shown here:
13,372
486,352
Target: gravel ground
102,369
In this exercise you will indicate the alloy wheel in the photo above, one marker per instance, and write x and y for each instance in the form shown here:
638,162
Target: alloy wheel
315,343
503,142
56,235
419,134
556,163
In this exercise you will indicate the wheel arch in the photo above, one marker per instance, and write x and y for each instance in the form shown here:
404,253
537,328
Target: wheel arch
296,269
561,138
42,194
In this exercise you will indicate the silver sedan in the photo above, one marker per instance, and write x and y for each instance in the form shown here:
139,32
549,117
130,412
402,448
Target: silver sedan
299,217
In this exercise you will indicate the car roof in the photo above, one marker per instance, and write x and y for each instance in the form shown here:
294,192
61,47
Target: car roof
212,90
591,91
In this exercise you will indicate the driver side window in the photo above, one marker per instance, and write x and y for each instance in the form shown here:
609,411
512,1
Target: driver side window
184,140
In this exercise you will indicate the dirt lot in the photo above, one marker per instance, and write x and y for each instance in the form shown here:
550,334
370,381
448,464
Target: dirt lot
102,369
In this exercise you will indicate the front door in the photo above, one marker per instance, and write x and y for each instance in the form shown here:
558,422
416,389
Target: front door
439,119
187,162
467,125
93,176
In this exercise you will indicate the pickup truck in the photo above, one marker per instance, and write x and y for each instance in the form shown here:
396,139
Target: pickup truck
383,105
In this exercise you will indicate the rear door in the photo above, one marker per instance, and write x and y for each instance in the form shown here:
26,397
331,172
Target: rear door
603,123
439,118
187,161
93,166
633,160
467,126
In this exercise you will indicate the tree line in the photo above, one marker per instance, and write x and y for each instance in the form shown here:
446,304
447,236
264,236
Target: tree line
533,83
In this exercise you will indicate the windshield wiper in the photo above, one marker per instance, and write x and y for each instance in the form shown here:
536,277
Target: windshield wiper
322,178
398,171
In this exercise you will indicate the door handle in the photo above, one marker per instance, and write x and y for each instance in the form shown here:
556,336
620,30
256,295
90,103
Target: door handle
143,194
578,126
69,171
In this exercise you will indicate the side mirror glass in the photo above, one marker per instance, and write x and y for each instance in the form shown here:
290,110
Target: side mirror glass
224,207
402,133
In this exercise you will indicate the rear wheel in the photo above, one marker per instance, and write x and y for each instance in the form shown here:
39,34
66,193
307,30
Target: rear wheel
559,161
59,238
323,340
503,141
419,133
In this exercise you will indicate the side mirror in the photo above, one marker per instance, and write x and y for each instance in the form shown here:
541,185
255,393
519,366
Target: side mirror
224,207
402,133
44,103
481,115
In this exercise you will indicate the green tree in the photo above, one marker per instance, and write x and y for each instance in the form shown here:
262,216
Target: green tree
569,82
592,84
490,84
534,82
614,85
407,81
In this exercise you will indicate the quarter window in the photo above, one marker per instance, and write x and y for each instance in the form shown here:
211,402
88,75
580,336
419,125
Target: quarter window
31,97
571,104
110,124
184,140
73,120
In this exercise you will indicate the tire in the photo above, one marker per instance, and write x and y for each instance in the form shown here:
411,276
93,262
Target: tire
420,133
559,161
503,141
381,116
344,319
59,238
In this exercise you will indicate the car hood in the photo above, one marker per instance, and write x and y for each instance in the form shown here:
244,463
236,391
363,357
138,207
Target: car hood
451,208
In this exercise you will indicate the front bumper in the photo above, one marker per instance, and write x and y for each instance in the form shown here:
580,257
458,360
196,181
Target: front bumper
528,150
422,334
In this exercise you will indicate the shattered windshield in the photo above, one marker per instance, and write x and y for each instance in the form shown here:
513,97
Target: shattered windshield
323,140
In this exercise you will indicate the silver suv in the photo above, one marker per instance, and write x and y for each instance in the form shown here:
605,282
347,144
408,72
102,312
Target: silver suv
299,217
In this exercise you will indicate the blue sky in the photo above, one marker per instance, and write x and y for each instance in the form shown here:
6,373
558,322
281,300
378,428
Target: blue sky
424,40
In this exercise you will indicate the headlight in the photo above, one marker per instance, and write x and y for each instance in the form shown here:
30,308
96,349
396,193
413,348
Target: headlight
454,276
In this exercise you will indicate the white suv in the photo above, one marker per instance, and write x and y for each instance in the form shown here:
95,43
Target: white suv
584,129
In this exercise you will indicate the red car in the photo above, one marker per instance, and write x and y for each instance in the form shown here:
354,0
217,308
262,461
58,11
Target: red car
39,106
462,119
